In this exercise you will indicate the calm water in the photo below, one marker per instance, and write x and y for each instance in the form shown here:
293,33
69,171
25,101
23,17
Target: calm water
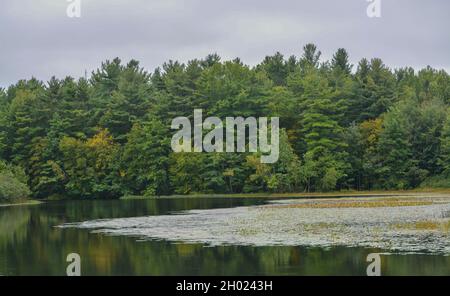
31,245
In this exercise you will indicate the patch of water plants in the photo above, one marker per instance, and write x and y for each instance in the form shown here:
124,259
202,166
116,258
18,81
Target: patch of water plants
396,225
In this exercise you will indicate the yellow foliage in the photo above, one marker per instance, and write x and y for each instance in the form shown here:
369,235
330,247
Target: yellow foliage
101,140
371,131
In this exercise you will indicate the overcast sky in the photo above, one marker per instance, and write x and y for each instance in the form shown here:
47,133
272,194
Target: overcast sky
37,38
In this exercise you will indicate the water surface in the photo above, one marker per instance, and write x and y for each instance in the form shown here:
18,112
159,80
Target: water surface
32,244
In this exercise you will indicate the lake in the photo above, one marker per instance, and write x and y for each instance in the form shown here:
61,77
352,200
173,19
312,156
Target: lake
32,243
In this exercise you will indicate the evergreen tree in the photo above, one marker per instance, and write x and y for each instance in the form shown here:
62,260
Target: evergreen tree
340,62
311,56
109,135
276,68
444,156
145,159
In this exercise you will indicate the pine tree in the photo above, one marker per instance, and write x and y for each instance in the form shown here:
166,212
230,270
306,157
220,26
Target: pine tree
310,57
276,69
444,156
145,159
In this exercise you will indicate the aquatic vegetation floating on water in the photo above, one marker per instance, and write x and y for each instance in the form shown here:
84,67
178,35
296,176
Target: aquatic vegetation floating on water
406,225
356,204
443,226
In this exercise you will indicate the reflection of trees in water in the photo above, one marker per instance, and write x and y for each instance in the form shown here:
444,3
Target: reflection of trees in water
125,256
31,245
13,225
77,211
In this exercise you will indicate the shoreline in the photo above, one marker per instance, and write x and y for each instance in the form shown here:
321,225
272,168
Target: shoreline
338,194
316,195
19,204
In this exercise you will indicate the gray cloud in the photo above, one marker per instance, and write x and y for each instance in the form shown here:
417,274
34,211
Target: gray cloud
38,39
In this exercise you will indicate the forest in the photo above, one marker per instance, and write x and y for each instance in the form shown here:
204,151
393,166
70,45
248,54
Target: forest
343,126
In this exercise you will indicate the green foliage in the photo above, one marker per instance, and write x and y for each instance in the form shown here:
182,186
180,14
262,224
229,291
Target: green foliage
277,68
444,156
320,128
409,144
374,92
283,176
4,105
129,102
145,159
90,166
13,186
311,57
184,172
441,181
340,62
109,135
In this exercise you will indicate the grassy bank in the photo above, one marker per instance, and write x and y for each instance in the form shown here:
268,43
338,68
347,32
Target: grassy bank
337,194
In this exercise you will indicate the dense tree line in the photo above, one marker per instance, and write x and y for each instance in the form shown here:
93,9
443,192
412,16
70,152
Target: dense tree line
358,127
